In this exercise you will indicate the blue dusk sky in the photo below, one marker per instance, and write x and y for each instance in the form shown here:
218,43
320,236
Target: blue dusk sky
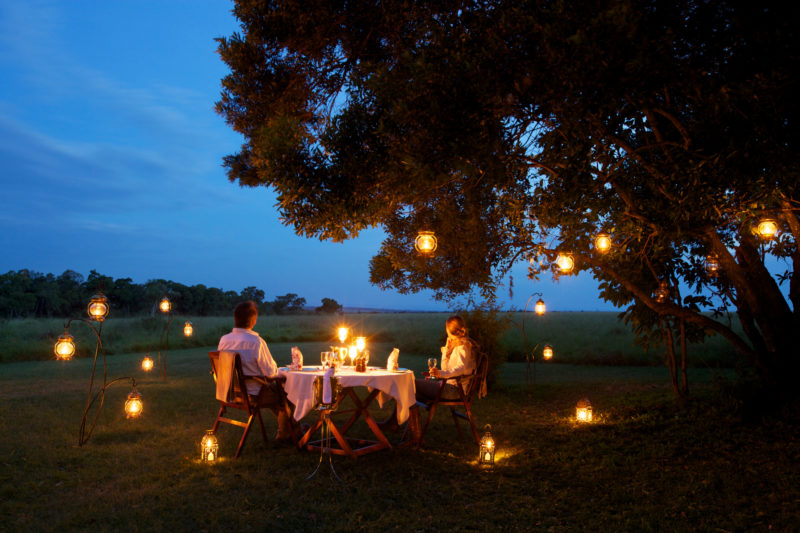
111,160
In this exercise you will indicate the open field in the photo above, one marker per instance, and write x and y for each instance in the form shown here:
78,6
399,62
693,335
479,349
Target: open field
577,337
647,464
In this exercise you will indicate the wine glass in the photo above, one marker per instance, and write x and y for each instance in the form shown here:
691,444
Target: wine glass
323,358
431,366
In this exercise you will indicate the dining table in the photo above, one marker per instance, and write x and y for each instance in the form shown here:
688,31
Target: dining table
381,385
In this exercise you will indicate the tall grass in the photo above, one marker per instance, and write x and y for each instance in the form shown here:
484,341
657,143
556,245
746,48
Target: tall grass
579,338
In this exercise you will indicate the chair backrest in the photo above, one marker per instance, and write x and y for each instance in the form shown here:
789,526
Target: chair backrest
478,382
237,391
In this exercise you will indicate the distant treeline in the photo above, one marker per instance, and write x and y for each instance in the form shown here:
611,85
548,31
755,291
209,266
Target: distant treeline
28,294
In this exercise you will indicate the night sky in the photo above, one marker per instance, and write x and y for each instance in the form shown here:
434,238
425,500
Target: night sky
111,160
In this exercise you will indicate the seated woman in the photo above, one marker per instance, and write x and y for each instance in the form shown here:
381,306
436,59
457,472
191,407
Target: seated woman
458,359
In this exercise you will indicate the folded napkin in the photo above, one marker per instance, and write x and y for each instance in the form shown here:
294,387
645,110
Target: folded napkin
297,359
391,363
326,386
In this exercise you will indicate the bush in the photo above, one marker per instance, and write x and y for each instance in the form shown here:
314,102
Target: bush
486,326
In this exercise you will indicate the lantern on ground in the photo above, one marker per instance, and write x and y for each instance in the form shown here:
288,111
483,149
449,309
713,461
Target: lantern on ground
147,363
602,243
767,228
133,405
342,333
661,294
425,243
547,352
64,347
565,263
583,411
539,308
209,447
487,447
188,329
164,305
712,265
98,307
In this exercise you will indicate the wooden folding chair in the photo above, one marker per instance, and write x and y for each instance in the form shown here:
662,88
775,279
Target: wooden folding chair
464,400
239,399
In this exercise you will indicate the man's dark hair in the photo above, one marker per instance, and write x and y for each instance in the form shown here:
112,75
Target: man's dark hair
244,314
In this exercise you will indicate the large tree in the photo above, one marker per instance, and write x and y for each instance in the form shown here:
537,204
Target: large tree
518,130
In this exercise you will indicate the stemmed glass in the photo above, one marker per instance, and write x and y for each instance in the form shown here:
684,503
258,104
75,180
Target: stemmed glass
431,366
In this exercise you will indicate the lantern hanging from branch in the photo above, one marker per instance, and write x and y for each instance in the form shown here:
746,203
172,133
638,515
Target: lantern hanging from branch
661,294
583,411
602,243
712,265
565,263
133,405
147,363
209,447
164,305
487,447
426,242
98,307
539,308
64,347
547,352
767,228
188,329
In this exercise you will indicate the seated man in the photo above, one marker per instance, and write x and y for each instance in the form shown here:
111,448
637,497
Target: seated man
256,361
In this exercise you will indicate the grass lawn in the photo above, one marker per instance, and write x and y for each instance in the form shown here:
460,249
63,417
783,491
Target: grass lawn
646,464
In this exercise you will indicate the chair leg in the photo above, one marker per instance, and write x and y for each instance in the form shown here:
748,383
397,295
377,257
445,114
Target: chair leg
261,425
431,410
455,421
244,436
472,423
219,415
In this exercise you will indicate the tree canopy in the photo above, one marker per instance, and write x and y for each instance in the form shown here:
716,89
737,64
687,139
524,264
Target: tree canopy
520,130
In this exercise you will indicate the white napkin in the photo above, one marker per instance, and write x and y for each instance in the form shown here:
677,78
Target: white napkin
326,386
297,358
391,363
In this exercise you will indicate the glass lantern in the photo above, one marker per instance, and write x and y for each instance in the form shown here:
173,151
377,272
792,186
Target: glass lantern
565,263
602,243
547,352
164,305
147,363
98,307
64,347
209,447
539,308
662,292
188,329
133,405
712,265
767,228
425,243
487,447
583,411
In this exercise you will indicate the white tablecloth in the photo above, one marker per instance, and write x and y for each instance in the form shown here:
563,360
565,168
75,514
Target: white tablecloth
399,385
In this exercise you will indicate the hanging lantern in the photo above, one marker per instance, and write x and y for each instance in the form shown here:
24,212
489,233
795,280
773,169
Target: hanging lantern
487,447
583,411
164,305
425,243
547,352
767,228
64,347
539,308
133,405
209,447
187,329
98,307
712,265
361,343
602,243
565,263
342,333
661,294
147,363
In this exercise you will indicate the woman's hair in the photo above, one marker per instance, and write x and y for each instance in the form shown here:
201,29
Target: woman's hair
245,314
455,326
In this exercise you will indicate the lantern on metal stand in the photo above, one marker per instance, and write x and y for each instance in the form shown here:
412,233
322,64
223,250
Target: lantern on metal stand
539,308
133,405
188,329
65,347
547,352
487,447
98,307
147,363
